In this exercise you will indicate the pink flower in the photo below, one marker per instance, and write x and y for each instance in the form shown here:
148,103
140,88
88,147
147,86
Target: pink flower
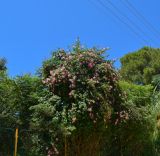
81,63
80,55
90,65
53,80
70,93
51,72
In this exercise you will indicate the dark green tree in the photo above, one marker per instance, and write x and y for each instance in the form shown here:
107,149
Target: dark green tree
137,134
139,67
3,64
8,98
17,96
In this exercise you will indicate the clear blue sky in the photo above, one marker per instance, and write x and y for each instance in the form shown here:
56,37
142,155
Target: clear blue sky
31,29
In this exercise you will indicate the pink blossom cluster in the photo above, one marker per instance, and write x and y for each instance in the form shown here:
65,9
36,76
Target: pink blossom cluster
52,151
83,70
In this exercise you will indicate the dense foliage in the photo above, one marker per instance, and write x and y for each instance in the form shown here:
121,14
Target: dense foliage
137,134
17,96
139,67
2,64
84,98
80,105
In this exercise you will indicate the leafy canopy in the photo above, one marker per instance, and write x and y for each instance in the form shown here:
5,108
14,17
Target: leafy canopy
3,64
139,67
83,98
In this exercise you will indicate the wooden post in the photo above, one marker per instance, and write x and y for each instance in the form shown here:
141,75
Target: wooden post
16,142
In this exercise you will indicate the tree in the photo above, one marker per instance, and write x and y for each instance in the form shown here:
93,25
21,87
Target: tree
156,82
3,64
139,67
7,113
28,89
83,99
138,133
17,96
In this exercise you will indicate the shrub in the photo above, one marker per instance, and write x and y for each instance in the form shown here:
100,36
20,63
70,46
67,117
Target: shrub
84,98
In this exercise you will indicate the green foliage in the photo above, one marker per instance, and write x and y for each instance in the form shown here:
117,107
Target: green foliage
137,95
7,101
84,98
137,133
7,113
156,82
79,107
139,67
27,88
17,95
2,64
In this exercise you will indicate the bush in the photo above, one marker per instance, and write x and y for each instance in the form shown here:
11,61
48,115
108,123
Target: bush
137,133
84,98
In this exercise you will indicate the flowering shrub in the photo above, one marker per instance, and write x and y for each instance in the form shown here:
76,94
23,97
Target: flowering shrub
84,99
85,82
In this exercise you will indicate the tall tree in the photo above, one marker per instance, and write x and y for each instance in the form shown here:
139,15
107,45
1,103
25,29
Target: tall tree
83,98
16,97
139,67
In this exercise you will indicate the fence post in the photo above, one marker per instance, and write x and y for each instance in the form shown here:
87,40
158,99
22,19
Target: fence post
16,142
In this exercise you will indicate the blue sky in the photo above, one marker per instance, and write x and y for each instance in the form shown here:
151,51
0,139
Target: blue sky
31,29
